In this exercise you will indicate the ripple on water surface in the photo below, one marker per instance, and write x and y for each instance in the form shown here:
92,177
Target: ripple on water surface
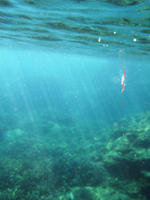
79,25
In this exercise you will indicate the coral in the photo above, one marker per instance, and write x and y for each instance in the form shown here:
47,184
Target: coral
62,165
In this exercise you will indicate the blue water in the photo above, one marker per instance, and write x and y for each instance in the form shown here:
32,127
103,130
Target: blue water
67,132
81,88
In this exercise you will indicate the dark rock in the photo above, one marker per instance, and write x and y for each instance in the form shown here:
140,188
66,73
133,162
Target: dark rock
69,171
146,191
83,194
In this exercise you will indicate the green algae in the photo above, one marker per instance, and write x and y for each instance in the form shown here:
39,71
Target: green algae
53,166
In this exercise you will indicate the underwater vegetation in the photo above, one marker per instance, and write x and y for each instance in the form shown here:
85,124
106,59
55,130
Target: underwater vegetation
72,163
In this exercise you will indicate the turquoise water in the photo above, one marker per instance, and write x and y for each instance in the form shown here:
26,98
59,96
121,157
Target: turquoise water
67,132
